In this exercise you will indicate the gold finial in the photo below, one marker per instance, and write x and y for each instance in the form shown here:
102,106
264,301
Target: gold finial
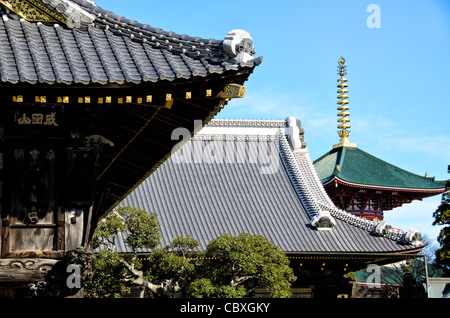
343,108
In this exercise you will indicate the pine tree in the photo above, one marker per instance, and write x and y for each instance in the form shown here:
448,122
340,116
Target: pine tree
442,217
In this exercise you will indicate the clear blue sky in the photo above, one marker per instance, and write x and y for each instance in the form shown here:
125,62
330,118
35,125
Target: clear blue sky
399,74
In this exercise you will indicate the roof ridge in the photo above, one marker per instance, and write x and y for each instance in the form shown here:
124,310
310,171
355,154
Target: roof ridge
236,47
313,179
328,209
240,130
76,13
319,218
384,229
266,123
339,159
98,11
325,155
235,137
321,158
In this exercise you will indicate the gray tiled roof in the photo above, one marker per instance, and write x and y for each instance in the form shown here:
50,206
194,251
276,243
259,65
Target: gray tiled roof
206,197
104,48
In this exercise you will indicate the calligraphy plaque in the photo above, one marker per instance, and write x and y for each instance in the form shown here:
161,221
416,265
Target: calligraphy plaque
36,121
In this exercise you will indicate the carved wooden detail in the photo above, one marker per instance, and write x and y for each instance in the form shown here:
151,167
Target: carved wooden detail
24,270
32,10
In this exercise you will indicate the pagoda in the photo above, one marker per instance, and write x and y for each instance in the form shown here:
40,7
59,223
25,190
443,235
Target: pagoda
361,183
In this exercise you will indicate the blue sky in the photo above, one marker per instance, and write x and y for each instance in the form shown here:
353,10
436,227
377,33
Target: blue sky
399,74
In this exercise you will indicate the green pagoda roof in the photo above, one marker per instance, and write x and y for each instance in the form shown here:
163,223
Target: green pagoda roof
354,166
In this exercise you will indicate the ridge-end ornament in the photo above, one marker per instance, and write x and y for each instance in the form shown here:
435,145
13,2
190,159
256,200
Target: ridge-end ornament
238,44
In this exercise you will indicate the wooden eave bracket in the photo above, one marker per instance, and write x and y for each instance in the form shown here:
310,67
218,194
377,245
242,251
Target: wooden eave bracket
233,91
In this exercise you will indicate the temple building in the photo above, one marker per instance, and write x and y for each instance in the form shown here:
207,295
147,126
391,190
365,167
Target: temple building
361,183
257,177
89,102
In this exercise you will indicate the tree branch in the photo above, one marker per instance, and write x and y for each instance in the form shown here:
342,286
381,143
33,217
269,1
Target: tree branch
138,278
240,280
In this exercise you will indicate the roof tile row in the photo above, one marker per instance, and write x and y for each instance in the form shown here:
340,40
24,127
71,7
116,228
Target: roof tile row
125,52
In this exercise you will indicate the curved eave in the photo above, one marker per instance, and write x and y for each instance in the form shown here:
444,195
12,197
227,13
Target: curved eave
97,15
162,83
413,250
109,51
383,188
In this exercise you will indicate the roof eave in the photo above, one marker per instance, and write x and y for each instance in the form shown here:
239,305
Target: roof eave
335,178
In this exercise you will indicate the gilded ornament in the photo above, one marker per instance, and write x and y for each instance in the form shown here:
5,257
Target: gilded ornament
343,120
33,11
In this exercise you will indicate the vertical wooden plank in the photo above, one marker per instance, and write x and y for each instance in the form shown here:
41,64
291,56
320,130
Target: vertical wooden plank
87,230
60,229
5,236
74,225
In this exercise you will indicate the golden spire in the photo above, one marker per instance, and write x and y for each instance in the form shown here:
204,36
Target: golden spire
343,119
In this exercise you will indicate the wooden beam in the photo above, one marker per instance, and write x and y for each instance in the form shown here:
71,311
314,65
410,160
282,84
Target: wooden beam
60,229
17,270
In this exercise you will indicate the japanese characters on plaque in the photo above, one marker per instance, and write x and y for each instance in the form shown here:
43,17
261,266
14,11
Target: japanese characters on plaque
37,119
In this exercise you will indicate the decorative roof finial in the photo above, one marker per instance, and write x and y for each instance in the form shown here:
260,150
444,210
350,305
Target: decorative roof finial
343,119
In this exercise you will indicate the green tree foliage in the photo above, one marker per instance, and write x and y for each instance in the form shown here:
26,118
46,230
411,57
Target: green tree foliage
113,273
108,280
235,265
231,266
174,266
412,285
442,218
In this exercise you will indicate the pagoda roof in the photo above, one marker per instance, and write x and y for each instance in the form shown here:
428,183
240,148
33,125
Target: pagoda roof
356,167
266,184
77,42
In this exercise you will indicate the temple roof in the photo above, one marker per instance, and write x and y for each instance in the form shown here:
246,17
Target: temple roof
355,166
78,42
129,82
256,177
